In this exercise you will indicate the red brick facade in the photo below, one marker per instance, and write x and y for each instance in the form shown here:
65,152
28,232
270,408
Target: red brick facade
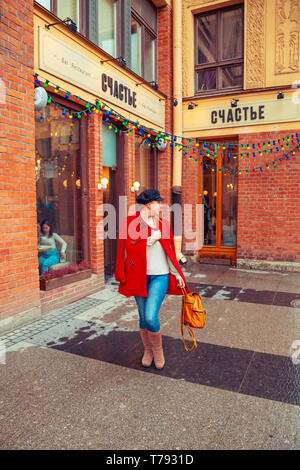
268,217
165,83
19,284
19,275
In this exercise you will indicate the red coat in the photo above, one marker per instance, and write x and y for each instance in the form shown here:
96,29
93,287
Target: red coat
132,271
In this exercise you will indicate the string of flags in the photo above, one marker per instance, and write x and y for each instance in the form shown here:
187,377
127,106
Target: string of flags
267,165
191,146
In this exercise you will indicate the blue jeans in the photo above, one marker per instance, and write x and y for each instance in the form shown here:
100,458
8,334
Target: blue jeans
148,307
47,259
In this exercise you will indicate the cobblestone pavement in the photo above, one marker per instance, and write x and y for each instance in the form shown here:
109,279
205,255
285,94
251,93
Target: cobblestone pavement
73,380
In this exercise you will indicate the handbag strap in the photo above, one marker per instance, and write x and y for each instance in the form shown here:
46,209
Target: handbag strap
191,333
184,290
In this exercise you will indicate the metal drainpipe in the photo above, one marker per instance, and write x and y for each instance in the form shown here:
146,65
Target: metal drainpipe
177,115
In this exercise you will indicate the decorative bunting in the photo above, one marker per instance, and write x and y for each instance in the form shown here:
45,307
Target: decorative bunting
208,148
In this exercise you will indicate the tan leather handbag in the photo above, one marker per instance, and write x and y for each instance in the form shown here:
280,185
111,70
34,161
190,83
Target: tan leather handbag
192,316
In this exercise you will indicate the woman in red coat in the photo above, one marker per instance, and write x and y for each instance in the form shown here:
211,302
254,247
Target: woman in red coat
147,268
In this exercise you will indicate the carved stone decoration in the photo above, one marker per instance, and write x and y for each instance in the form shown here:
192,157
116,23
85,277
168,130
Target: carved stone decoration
255,40
287,30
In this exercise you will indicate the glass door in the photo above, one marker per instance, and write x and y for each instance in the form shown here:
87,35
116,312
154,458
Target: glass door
218,194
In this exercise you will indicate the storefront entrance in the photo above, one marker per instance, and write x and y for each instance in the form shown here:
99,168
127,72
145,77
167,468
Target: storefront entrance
113,170
218,193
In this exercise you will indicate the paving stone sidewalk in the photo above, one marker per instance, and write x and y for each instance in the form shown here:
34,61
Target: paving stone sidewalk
73,380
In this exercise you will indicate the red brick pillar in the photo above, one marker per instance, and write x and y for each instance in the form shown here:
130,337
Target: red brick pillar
190,190
95,195
165,83
19,275
129,168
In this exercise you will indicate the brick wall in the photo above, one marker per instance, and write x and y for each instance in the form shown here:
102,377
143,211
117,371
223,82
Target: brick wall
129,168
62,296
268,220
268,216
190,189
165,83
95,196
19,285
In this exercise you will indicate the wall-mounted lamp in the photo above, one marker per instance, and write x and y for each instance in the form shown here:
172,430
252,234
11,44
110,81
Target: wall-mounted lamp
135,187
68,22
120,59
234,102
103,183
280,96
175,102
192,105
152,83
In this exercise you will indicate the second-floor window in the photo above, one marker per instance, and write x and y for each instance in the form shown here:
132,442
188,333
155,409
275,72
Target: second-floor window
219,50
143,39
102,23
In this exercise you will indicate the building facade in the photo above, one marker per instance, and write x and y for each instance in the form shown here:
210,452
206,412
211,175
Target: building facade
241,124
106,76
88,89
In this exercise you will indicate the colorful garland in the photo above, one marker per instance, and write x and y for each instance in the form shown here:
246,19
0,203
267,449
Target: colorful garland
60,166
150,137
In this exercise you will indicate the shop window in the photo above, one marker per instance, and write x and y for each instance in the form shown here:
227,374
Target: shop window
143,39
58,178
219,50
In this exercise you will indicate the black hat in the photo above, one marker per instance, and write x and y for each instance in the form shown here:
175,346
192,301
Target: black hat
149,195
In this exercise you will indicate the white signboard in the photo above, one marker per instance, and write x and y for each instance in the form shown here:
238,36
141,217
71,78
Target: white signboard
245,114
64,61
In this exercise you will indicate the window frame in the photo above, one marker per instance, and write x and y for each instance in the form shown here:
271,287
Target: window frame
83,231
145,26
219,64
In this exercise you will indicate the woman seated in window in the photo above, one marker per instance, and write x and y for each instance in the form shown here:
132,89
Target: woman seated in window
47,247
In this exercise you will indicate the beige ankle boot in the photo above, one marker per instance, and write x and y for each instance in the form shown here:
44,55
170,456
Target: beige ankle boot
148,355
158,353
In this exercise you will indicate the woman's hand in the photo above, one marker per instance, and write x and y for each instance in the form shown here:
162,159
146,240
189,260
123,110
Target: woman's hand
62,257
180,282
155,234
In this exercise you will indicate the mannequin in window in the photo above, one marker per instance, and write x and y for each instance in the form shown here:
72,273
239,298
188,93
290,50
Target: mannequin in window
47,247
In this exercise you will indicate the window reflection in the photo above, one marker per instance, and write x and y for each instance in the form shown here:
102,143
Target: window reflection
136,47
107,26
209,200
229,195
58,178
68,9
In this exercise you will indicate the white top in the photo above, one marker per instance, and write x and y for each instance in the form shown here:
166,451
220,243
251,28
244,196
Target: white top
157,260
50,242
